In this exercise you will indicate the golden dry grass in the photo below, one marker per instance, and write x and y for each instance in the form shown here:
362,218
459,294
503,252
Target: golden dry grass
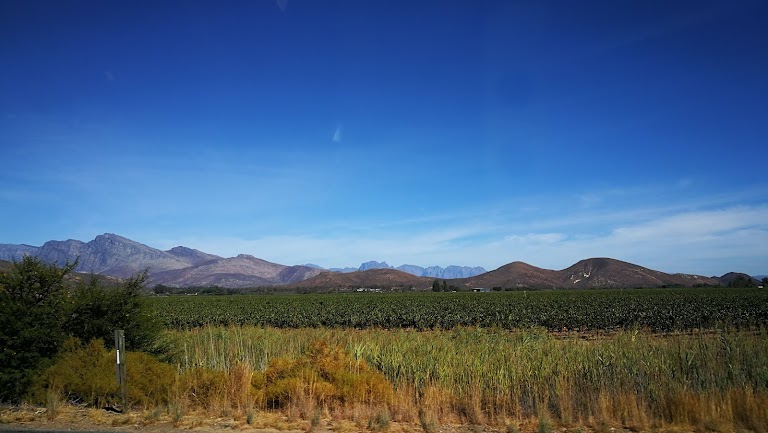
628,379
396,380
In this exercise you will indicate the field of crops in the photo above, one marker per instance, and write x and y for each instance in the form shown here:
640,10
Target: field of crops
652,309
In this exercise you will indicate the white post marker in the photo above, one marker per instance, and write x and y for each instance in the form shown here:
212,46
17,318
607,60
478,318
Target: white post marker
120,366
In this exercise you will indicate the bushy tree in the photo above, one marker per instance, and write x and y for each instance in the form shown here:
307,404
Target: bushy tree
436,286
39,310
97,311
440,286
32,312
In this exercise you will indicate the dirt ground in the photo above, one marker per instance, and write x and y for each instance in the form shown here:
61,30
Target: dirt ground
74,418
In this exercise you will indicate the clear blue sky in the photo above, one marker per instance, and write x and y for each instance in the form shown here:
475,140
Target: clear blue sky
425,132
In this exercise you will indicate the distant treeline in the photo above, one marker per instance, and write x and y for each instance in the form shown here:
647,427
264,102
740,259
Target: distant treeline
437,286
271,290
161,289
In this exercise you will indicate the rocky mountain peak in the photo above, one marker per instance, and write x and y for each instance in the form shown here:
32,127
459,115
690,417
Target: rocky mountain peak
191,256
374,265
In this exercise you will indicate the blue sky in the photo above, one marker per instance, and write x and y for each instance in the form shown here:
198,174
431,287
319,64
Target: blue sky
425,132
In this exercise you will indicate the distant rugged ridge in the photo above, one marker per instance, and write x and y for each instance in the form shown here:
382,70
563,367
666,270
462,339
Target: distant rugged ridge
589,273
11,252
373,265
107,254
116,256
452,272
412,269
431,272
343,270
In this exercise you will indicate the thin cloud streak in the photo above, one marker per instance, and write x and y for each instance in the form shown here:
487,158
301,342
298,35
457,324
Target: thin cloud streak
704,242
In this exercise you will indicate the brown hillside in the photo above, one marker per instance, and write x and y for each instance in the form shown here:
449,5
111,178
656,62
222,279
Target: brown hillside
389,278
235,272
605,272
589,273
514,275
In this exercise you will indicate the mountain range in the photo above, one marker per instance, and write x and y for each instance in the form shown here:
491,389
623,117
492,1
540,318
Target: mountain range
447,273
116,256
589,273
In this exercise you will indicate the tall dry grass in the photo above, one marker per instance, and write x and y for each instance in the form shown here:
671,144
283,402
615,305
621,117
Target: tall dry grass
636,380
633,379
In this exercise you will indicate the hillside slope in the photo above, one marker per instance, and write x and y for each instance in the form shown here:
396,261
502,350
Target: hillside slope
589,273
235,272
390,278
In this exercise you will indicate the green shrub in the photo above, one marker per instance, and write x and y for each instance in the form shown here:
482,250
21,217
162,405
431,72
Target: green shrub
97,311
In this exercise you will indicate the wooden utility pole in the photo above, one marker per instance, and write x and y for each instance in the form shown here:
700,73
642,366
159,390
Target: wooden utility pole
120,349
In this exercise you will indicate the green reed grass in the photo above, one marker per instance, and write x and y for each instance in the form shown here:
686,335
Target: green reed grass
492,375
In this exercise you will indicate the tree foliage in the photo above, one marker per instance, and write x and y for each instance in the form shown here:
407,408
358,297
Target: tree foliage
440,286
32,312
96,312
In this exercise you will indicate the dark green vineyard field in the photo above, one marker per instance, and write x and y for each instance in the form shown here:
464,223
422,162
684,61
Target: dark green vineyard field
652,309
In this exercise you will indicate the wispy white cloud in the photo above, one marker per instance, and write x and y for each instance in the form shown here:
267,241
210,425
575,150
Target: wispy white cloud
707,242
694,226
536,238
704,242
588,199
345,250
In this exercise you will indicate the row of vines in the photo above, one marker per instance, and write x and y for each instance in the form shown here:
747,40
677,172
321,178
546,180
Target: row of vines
658,310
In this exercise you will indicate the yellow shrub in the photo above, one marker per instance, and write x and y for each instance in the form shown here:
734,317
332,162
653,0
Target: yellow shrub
203,387
150,382
87,374
325,376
